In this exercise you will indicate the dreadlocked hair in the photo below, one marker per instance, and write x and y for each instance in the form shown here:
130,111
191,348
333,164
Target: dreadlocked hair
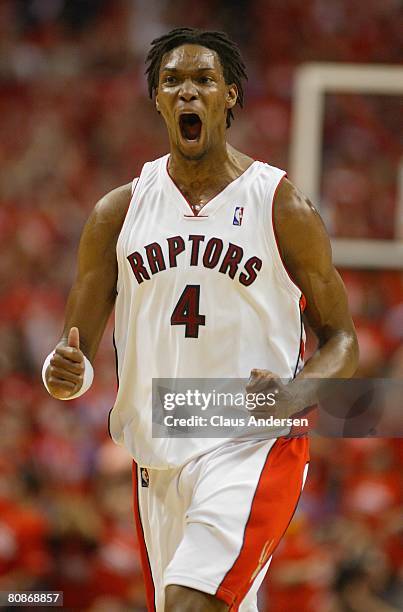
234,69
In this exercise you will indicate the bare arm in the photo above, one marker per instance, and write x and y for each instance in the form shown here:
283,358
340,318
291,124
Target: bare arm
305,248
92,296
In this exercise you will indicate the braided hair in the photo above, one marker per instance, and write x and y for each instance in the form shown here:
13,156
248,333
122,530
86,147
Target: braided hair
234,69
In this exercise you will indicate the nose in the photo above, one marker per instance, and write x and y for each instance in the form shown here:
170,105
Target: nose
188,91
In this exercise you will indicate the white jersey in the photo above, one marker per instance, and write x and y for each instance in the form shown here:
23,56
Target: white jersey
203,296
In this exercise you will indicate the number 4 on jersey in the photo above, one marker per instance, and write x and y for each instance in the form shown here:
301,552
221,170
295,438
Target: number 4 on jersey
186,311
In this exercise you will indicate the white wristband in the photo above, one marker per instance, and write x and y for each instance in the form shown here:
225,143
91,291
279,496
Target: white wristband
87,379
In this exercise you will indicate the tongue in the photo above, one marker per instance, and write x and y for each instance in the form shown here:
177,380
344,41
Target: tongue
192,131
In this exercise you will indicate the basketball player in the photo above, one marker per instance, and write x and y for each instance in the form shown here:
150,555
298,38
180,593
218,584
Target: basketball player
191,254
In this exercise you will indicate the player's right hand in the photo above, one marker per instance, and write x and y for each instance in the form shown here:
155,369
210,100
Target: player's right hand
65,373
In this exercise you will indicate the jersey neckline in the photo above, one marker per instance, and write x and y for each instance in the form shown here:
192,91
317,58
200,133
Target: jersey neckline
227,189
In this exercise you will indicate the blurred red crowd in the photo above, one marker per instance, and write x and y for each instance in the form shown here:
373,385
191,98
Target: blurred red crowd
76,122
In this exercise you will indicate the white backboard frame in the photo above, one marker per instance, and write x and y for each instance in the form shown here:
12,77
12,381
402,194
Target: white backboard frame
312,82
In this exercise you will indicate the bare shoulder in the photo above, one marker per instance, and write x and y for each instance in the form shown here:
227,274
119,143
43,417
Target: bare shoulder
106,219
292,206
301,233
101,231
112,207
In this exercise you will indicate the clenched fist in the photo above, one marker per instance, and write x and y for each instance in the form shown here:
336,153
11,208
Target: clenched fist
65,374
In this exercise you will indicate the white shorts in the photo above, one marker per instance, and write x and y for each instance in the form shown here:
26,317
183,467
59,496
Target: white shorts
214,523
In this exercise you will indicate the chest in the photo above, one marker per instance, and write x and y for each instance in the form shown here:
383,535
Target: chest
198,195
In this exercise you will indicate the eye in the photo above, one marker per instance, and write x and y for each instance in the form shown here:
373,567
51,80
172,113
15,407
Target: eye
205,79
170,79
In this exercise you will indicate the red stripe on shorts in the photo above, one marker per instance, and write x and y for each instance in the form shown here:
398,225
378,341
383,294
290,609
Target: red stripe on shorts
145,561
273,506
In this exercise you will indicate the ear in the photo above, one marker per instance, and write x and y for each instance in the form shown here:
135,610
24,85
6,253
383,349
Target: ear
157,104
232,96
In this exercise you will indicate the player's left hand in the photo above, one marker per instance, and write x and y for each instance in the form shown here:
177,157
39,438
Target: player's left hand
265,382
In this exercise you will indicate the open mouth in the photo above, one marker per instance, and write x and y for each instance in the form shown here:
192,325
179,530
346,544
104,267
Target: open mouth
190,126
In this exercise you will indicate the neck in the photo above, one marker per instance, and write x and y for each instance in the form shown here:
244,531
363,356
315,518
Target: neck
215,167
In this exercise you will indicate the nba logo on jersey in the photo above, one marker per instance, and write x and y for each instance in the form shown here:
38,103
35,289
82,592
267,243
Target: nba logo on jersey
238,216
145,479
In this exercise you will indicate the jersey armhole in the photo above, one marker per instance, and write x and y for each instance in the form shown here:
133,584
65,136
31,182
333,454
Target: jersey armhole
134,189
279,264
134,184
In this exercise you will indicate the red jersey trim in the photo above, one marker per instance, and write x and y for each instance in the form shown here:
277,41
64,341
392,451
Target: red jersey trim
273,506
301,347
196,216
145,561
117,381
